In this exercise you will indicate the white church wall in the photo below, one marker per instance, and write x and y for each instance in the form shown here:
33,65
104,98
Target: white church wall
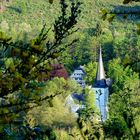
102,100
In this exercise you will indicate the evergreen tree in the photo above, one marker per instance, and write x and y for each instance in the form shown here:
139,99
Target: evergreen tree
22,61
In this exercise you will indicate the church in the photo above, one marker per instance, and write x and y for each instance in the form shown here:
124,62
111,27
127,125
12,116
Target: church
101,88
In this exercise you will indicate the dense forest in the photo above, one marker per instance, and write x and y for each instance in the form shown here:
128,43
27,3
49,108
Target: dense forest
42,42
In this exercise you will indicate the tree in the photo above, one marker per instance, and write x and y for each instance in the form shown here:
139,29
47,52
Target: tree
58,70
88,123
42,120
55,114
89,98
90,70
21,62
79,53
129,53
119,75
115,128
123,105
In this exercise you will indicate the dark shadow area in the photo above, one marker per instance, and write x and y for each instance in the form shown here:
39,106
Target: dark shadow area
108,51
16,9
79,97
130,13
63,125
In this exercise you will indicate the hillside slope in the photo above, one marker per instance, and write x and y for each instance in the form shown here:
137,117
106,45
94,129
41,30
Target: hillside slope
29,15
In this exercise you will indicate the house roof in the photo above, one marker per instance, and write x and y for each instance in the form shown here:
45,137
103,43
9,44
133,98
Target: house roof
80,68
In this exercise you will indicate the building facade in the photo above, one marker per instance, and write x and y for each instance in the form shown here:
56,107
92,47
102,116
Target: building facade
78,76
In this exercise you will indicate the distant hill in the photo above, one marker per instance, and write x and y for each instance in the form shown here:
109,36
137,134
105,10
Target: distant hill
30,15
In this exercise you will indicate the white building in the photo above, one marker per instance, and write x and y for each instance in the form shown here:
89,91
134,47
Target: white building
78,76
73,107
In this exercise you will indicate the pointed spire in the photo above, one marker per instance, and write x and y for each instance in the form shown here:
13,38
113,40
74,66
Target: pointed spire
100,74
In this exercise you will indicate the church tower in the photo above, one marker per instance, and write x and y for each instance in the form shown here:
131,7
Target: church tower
101,89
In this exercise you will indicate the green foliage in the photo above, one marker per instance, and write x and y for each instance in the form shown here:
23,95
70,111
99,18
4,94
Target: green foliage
88,117
50,113
22,61
129,53
120,75
73,134
90,70
115,127
30,12
45,112
89,98
81,52
89,126
124,100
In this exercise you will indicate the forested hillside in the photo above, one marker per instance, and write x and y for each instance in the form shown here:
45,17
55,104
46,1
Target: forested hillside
30,15
44,41
34,13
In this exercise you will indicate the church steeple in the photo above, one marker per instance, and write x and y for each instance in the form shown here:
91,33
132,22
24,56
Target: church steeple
100,74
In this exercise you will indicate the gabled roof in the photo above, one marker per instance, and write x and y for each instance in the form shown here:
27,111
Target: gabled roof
80,68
